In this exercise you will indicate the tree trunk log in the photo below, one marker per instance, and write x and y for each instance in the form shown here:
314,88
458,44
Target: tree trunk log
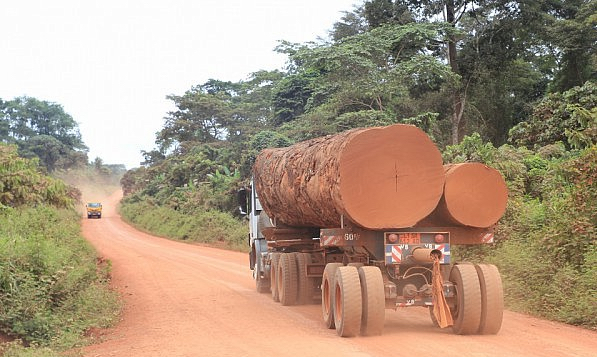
376,178
475,195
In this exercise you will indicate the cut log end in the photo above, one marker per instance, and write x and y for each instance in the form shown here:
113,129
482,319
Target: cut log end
390,177
475,195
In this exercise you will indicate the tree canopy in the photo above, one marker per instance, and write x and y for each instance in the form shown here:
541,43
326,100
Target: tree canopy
44,130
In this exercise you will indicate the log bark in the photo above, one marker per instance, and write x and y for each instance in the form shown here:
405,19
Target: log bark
475,195
376,178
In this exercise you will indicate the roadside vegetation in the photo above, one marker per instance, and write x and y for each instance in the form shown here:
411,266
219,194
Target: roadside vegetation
483,85
198,226
546,247
53,286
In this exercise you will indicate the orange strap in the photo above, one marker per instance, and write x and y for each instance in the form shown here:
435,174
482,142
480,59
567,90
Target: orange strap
441,310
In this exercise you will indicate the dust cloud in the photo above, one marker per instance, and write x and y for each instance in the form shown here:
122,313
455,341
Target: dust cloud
94,186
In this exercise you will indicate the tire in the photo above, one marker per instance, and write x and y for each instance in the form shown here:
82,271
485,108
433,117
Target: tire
305,284
492,299
287,279
273,274
348,302
467,310
374,301
261,284
327,293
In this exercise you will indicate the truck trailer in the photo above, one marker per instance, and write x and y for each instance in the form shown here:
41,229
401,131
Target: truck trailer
364,221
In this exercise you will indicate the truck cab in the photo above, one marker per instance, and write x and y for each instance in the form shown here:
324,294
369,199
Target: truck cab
94,210
250,207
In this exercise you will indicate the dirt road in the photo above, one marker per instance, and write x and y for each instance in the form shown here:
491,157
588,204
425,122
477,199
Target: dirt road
187,300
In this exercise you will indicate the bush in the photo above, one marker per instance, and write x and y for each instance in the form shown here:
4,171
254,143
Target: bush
22,183
545,242
52,289
547,249
200,226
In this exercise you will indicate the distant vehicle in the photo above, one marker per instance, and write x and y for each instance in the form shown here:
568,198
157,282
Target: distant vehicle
94,209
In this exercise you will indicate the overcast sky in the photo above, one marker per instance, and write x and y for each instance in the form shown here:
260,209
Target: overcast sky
111,63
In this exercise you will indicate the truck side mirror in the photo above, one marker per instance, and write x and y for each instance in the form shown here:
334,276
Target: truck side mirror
243,203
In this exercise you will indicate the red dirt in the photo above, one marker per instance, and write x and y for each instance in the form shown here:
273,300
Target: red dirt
189,300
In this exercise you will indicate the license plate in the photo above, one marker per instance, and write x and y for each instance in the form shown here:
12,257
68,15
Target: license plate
409,238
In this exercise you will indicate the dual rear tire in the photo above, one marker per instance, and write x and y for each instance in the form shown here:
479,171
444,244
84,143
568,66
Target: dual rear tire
353,300
289,282
478,305
287,279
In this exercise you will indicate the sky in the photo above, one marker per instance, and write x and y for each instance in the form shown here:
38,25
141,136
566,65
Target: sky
111,63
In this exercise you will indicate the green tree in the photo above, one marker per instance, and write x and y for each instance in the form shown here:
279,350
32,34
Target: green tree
42,129
291,96
352,23
572,32
202,116
569,117
506,53
219,112
21,183
256,101
368,79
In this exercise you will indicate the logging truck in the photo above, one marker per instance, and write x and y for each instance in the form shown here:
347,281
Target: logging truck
364,221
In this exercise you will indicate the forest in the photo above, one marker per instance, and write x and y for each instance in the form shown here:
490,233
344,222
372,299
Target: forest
510,84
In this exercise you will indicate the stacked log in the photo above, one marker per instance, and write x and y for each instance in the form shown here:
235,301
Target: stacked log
475,195
376,178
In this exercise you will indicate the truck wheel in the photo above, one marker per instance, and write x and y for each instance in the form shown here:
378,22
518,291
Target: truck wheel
467,309
273,274
492,299
287,279
305,284
327,293
348,302
261,284
374,301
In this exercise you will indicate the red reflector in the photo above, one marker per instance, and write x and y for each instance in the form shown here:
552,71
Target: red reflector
393,238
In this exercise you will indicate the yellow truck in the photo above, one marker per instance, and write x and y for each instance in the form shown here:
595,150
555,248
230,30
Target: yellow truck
94,209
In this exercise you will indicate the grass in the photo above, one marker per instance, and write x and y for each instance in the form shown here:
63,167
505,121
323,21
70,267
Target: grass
53,290
208,227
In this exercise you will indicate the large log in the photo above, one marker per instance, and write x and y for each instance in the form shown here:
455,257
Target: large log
376,178
475,195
